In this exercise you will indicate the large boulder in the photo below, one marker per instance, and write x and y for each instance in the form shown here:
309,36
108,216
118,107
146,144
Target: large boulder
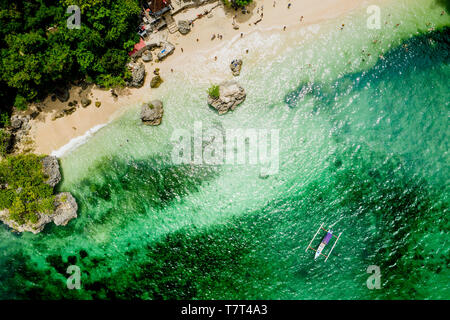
236,66
65,209
156,81
51,170
62,94
85,101
20,123
20,126
151,113
137,74
167,49
184,26
16,123
147,56
231,94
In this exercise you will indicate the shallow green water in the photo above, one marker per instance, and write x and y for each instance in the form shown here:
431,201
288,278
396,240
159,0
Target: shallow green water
363,148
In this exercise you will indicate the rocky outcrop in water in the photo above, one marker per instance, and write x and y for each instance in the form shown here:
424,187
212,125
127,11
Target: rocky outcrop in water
231,94
65,210
152,113
35,228
236,66
65,206
50,166
137,74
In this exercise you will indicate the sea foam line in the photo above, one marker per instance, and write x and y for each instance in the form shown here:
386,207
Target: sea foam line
78,141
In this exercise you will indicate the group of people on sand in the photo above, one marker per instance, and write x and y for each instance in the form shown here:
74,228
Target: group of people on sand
219,36
259,10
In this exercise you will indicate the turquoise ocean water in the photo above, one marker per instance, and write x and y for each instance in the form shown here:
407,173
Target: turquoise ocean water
363,148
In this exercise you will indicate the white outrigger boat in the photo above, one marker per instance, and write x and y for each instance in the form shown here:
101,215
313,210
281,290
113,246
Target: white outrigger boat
324,242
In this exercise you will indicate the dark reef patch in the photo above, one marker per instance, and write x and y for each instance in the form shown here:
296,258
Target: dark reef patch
412,55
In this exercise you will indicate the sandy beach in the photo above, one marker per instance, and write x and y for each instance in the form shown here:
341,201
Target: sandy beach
49,135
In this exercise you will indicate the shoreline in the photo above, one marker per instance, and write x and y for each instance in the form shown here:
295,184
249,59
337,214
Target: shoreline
70,131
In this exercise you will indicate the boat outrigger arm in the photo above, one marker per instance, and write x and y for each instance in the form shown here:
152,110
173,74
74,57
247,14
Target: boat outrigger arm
324,242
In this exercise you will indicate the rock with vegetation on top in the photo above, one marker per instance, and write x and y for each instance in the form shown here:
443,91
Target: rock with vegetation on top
184,27
65,208
152,113
167,49
36,175
156,81
236,66
231,94
137,74
35,227
50,166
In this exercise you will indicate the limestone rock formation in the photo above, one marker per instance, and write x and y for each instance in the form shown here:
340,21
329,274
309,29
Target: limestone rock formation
51,170
65,206
65,209
231,94
20,126
151,113
147,56
167,49
137,74
184,27
30,227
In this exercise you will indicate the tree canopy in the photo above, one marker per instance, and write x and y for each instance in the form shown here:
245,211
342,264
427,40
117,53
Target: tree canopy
38,52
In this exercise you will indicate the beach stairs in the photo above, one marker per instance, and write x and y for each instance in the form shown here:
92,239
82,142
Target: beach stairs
171,24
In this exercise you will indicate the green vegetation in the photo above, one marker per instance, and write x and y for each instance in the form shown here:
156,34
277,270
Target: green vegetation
5,139
38,53
236,3
23,189
242,3
214,92
4,119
